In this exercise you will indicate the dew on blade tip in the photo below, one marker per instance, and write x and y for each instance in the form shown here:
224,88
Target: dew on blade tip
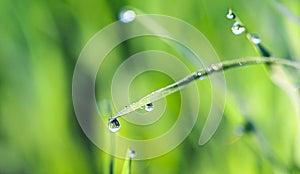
114,125
132,154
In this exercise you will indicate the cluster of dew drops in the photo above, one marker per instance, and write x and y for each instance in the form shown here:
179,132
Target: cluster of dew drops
238,28
114,124
127,16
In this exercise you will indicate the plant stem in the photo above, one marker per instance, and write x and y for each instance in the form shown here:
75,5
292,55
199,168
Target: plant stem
200,74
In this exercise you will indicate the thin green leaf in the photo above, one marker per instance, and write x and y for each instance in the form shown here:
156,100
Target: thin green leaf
128,161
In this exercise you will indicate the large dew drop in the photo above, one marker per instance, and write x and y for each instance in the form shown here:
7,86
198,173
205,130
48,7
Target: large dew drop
127,16
149,107
237,28
114,125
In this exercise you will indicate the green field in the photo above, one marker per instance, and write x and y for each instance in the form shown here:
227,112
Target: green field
42,40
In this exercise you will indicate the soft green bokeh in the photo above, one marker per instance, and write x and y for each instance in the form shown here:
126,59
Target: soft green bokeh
41,41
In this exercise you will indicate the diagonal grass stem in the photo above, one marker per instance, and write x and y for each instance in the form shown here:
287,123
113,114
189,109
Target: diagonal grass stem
199,75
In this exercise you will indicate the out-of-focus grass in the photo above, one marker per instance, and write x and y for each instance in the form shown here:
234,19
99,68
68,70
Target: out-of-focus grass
41,40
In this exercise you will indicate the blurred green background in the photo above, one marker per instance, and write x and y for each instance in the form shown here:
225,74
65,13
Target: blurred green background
41,41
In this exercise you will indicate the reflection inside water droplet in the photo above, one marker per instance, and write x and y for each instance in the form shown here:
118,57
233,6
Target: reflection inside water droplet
114,125
237,28
230,14
200,77
255,39
127,16
149,107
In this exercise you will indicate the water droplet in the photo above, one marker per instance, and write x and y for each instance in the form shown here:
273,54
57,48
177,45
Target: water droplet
127,16
255,39
230,14
199,76
114,125
239,130
149,107
247,127
237,28
132,154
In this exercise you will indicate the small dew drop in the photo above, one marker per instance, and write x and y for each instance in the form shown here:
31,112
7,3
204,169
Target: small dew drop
114,125
230,14
127,16
237,28
239,130
199,76
149,107
255,39
132,154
